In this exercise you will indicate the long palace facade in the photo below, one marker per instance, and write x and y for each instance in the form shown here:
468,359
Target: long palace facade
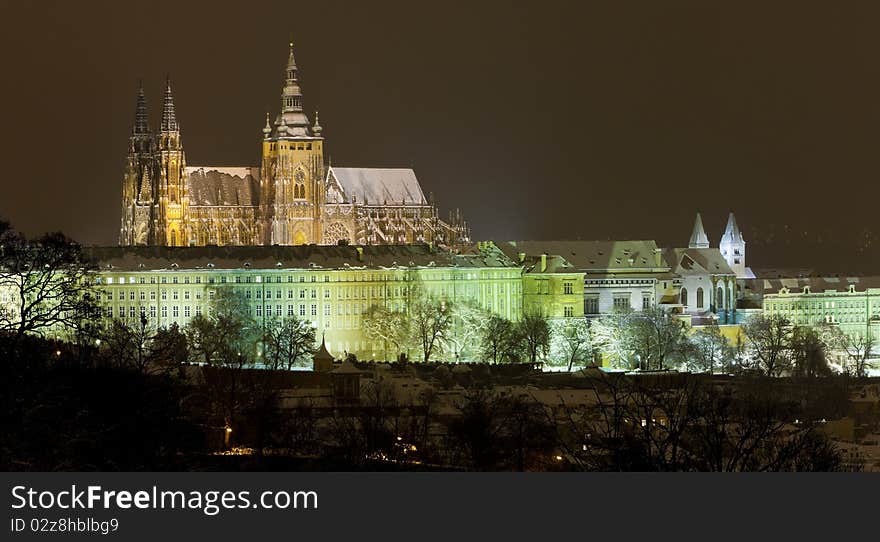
331,287
292,198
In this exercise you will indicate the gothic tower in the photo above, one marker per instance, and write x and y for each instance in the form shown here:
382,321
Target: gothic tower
292,172
733,247
137,184
172,192
699,239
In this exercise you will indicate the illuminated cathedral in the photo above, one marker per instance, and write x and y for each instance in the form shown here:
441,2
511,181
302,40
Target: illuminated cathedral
292,198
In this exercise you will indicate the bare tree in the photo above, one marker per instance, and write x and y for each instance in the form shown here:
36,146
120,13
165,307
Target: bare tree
809,353
47,284
534,334
430,320
690,424
649,339
288,341
769,344
143,348
466,327
392,328
570,341
711,351
856,348
498,339
609,336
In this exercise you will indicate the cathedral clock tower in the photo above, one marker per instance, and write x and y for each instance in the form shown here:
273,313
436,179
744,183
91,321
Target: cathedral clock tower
292,172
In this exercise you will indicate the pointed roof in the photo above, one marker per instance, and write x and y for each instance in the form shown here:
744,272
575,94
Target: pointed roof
291,62
169,118
699,239
322,353
732,233
292,114
141,121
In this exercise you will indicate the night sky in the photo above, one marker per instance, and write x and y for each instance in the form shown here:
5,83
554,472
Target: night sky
539,120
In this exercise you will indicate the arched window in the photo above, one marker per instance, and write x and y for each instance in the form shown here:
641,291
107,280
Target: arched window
684,297
719,301
699,298
173,238
299,190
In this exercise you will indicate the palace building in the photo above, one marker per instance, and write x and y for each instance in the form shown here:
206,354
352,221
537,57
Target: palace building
330,287
291,198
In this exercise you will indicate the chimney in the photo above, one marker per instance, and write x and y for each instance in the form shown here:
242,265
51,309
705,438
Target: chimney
658,257
543,263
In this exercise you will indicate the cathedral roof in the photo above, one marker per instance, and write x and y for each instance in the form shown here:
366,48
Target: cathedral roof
210,185
376,186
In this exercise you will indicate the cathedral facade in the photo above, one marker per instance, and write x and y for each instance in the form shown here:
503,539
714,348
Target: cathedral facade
292,198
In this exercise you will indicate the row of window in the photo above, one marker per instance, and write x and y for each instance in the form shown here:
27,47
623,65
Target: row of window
248,279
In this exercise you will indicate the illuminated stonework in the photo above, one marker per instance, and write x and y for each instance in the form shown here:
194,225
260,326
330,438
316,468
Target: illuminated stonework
292,198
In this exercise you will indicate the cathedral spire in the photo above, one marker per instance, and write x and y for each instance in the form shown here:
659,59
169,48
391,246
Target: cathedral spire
699,239
141,121
169,119
292,100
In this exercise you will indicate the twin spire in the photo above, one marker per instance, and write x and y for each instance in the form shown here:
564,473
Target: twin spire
699,239
169,118
291,121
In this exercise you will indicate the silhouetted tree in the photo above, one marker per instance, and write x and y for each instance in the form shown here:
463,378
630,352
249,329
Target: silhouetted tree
769,344
533,332
47,282
288,342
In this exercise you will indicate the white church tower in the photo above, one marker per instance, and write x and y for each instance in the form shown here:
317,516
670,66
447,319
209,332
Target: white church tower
733,248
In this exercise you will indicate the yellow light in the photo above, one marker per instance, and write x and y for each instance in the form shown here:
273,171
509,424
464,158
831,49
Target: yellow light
58,352
228,429
558,458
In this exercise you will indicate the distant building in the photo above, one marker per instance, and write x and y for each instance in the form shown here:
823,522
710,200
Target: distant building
616,274
851,303
291,198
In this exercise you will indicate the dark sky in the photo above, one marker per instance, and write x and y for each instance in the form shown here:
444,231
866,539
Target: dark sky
539,120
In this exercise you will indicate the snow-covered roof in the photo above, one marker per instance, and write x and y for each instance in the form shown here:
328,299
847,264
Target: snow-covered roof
143,258
378,185
212,185
697,261
594,256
